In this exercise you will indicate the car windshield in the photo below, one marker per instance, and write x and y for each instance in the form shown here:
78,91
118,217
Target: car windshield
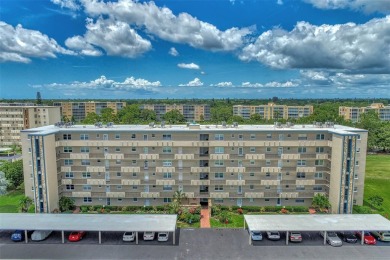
332,234
256,233
162,235
128,233
367,234
74,233
274,233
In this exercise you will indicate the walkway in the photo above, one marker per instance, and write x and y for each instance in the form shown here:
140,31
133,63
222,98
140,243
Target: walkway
205,220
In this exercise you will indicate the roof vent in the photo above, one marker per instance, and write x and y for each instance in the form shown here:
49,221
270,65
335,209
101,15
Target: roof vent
151,124
99,124
224,124
162,124
235,124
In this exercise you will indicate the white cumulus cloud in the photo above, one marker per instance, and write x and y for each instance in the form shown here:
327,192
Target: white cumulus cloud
191,66
70,4
173,52
18,44
342,46
193,83
367,6
225,84
116,38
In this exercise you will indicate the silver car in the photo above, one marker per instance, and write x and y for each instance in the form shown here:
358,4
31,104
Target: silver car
273,235
332,239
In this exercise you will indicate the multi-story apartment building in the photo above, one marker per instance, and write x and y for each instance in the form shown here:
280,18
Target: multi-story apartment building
255,165
190,112
79,110
273,111
15,117
354,113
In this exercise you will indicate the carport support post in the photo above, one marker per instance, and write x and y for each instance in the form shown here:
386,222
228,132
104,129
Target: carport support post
286,237
136,238
362,238
325,234
250,239
100,237
63,236
25,236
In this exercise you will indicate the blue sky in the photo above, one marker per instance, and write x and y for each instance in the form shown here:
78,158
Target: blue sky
195,49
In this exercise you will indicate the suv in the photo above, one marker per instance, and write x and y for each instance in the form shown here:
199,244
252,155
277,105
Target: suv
256,235
295,236
162,236
381,235
332,238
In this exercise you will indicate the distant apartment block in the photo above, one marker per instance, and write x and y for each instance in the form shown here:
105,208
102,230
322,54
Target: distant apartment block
190,112
143,165
15,117
354,113
79,110
273,111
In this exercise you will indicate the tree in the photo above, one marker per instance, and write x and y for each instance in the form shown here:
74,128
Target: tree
130,114
174,117
3,183
108,115
383,136
148,116
13,173
176,203
66,203
371,122
320,201
221,113
24,204
376,201
91,118
39,98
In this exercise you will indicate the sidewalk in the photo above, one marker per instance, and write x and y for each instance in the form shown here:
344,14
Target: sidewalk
205,220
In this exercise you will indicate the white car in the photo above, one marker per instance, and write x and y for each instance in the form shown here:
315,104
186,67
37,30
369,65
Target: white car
39,235
162,236
128,236
149,235
332,239
273,235
256,235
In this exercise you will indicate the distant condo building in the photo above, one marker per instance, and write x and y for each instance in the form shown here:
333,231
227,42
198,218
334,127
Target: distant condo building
190,112
241,165
79,110
354,113
273,111
15,117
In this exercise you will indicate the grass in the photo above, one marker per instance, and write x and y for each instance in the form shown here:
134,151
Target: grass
377,181
9,202
236,221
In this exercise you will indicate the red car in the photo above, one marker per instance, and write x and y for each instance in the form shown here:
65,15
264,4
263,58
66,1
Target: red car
76,236
368,238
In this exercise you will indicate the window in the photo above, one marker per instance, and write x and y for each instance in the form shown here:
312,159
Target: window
68,162
320,149
358,137
87,199
69,187
319,163
118,174
299,201
69,175
357,149
218,188
218,163
253,136
218,201
135,199
301,163
252,162
318,175
240,136
167,137
134,174
86,175
167,150
267,187
269,136
167,175
167,187
134,162
167,200
320,137
117,136
118,161
252,174
84,149
133,149
67,136
268,149
219,149
68,149
117,149
153,135
300,187
87,187
218,175
267,174
119,187
357,163
301,149
251,187
253,149
268,162
135,187
133,136
219,137
85,162
356,176
355,189
317,188
119,199
84,137
167,163
301,175
302,137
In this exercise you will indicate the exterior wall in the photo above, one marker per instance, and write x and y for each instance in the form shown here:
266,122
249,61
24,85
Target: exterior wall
360,167
272,111
190,112
354,113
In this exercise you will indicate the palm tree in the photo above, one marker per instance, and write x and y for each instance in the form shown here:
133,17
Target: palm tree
24,204
179,196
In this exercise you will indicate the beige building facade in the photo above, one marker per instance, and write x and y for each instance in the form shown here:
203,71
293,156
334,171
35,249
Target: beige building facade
273,111
190,112
354,113
141,165
79,110
17,117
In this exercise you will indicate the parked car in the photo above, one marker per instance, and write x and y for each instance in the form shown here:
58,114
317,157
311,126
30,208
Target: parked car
39,235
295,236
381,235
128,236
18,235
76,236
332,238
149,235
348,237
368,238
162,236
273,235
256,235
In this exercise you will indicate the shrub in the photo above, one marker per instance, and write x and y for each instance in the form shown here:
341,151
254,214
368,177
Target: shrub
362,209
84,209
251,208
216,210
192,218
240,211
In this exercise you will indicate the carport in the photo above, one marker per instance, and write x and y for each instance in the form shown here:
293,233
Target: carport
89,222
326,222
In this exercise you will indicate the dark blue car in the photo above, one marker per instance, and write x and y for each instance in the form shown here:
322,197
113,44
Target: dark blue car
17,236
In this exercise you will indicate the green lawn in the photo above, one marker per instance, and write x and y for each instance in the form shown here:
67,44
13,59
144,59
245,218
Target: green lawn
9,203
377,181
236,221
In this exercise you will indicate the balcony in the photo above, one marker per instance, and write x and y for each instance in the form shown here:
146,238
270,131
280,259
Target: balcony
204,176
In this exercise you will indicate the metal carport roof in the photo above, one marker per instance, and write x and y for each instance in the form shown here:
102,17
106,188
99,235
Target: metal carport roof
325,222
89,222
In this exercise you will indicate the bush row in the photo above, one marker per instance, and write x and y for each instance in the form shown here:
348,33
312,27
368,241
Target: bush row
215,210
